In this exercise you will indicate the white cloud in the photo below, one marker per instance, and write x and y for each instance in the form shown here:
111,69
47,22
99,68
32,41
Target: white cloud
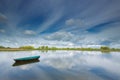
109,37
36,42
60,36
70,22
2,31
3,18
75,22
68,39
29,32
115,44
111,33
8,41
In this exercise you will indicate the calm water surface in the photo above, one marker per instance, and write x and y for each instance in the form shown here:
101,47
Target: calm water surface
61,65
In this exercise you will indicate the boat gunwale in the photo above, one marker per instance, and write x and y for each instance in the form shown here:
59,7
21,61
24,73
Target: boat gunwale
27,58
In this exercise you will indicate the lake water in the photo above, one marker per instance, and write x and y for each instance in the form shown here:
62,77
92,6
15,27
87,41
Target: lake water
61,65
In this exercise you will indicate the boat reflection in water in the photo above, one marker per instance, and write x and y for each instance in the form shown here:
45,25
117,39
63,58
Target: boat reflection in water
18,63
26,60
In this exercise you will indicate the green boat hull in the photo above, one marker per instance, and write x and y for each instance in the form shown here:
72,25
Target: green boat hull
27,58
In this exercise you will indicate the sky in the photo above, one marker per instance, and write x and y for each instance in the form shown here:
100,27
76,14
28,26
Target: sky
60,23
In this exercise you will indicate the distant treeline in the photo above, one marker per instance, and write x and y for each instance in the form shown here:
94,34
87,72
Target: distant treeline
102,48
3,47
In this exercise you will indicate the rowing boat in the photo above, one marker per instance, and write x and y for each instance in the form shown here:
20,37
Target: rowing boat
27,58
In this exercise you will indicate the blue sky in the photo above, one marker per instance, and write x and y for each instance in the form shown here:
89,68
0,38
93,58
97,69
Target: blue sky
62,23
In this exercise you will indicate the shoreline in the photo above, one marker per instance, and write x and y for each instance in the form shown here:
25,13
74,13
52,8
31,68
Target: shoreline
46,48
75,49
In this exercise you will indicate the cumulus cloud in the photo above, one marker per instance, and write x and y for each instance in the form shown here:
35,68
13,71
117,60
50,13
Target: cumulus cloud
84,40
29,32
60,36
70,22
36,42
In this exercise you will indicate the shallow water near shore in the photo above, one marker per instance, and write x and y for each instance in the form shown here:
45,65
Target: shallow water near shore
61,65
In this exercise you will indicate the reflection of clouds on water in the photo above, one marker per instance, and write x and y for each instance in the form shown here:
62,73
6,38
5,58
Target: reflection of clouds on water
67,60
59,60
107,64
73,64
59,63
24,67
91,59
